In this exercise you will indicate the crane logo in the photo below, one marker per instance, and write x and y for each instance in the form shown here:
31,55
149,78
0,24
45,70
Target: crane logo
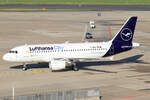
126,34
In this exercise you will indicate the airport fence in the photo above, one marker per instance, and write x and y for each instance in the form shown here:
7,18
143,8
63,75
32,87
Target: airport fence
61,95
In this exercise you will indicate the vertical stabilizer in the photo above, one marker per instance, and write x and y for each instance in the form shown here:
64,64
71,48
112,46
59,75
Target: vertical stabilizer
123,39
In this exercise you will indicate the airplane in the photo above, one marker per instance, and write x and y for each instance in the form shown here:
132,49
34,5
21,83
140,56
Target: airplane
60,56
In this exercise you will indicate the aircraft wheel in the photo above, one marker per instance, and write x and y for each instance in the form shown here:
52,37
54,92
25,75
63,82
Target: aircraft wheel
24,69
75,68
52,70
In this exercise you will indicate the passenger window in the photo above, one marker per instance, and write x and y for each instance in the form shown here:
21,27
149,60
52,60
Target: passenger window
13,52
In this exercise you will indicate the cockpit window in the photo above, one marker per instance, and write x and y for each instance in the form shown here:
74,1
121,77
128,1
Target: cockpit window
13,51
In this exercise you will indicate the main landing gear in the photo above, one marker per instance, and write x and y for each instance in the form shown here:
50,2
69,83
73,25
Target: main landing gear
24,67
74,67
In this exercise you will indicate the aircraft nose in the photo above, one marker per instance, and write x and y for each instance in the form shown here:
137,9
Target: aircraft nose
6,57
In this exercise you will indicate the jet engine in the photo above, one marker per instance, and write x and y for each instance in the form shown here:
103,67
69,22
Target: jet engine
57,65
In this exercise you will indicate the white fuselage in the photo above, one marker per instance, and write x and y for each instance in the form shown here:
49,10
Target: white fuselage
48,52
58,55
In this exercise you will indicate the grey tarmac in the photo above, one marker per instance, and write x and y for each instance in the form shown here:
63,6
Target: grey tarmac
127,76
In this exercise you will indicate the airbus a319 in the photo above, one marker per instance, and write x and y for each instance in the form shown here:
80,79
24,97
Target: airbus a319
59,56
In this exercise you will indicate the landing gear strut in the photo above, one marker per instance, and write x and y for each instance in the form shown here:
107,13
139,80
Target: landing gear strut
74,67
24,67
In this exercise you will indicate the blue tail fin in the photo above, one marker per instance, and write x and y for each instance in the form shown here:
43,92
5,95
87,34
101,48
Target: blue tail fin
123,39
126,32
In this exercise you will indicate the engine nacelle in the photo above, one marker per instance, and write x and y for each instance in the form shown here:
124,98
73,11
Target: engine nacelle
57,64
